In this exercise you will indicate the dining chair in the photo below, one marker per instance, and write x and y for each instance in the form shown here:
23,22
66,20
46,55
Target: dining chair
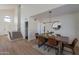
40,40
52,43
15,35
10,35
36,35
58,35
71,46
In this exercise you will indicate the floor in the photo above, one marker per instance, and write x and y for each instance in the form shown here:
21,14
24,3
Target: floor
21,47
17,47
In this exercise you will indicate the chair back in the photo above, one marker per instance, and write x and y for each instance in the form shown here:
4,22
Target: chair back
52,40
36,35
74,42
40,39
58,35
16,34
10,36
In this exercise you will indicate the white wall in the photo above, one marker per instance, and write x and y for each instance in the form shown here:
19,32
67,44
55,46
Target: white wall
28,10
32,28
77,24
23,20
6,26
16,18
69,25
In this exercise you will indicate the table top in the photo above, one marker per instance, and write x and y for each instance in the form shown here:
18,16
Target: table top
59,38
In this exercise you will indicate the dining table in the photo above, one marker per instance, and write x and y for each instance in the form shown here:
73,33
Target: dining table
61,40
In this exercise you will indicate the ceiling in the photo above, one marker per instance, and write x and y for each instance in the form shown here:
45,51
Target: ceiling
34,9
30,9
65,9
42,10
7,6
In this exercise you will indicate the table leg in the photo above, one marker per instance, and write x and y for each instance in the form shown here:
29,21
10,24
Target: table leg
60,48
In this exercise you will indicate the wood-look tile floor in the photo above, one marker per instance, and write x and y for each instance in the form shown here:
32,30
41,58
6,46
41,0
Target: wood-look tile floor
17,47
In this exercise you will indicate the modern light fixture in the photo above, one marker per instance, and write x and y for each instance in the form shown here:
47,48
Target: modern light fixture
50,15
50,11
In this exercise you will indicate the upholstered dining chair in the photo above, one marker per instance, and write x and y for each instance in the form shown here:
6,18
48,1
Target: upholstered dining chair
36,38
52,43
58,35
36,35
71,46
40,40
15,35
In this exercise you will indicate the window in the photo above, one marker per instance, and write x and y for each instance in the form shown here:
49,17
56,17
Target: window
7,19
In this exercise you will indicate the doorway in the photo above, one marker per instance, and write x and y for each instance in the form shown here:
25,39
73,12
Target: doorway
26,30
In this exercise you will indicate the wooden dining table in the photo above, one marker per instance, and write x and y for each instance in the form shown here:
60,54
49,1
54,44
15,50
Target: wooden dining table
61,40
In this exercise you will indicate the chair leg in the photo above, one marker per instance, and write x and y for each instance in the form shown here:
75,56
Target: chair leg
48,49
62,49
39,46
56,51
73,51
45,47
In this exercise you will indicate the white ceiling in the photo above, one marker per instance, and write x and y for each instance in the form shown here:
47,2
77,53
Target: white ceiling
34,9
7,6
30,9
42,10
65,9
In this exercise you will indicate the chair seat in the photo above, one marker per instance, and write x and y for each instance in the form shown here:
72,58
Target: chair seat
68,45
40,41
52,46
72,45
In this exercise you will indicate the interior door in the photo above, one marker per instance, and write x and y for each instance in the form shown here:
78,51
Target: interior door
26,30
